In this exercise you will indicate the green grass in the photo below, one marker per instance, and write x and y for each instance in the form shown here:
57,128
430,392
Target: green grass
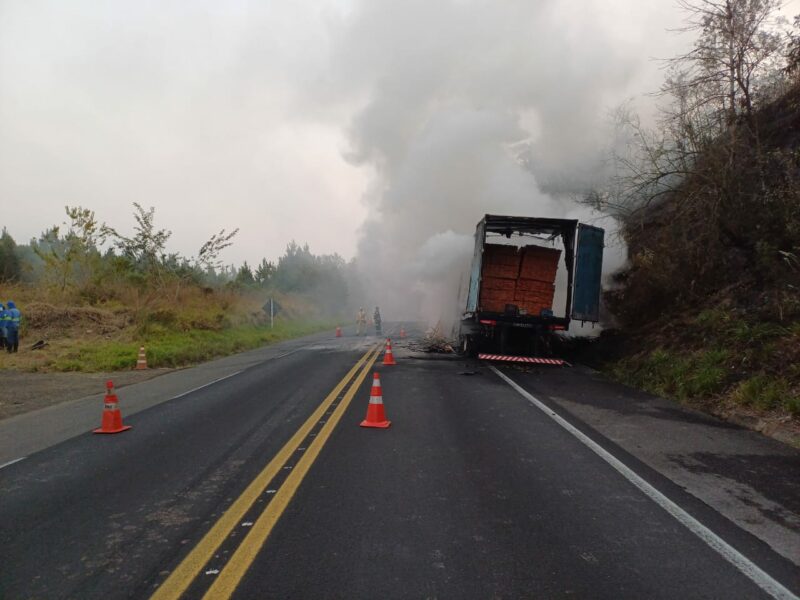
721,356
726,327
703,374
743,332
682,376
766,392
713,319
169,348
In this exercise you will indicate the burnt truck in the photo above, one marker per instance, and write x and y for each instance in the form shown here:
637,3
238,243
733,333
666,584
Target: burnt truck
509,311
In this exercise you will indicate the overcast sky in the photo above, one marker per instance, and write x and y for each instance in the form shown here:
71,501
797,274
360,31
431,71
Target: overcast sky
305,119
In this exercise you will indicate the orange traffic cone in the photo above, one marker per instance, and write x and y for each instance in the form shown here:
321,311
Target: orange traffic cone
141,362
376,417
388,357
402,333
338,331
112,417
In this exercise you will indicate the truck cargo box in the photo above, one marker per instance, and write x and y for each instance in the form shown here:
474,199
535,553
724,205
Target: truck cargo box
511,290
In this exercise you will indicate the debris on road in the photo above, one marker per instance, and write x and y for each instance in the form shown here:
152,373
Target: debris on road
435,341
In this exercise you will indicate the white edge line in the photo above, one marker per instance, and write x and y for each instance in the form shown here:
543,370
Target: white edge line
287,353
205,385
181,395
716,543
11,462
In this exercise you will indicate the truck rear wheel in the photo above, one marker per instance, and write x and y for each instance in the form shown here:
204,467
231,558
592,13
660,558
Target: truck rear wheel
467,345
502,339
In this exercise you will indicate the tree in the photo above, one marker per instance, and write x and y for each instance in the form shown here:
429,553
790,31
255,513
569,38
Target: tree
146,250
208,257
70,257
320,277
793,50
735,46
264,272
245,276
708,197
10,269
295,271
711,92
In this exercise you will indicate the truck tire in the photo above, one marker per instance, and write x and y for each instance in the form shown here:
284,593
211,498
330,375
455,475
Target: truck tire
502,342
467,346
540,345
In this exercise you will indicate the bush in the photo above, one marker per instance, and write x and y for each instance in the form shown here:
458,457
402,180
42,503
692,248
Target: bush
764,392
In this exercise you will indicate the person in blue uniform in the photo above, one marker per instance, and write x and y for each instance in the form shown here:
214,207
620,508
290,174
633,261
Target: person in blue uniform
13,318
3,331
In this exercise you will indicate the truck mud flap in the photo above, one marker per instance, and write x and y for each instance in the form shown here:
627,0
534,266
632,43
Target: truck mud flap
525,359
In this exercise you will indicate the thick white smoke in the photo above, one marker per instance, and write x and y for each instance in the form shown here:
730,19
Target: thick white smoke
468,106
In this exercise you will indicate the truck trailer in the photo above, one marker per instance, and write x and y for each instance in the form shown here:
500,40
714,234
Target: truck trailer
509,305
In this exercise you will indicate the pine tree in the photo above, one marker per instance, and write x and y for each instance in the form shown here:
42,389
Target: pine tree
10,269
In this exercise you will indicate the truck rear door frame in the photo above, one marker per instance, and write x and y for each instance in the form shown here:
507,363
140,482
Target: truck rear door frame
507,226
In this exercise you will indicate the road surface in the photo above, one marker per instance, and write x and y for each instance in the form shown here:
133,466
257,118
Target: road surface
250,478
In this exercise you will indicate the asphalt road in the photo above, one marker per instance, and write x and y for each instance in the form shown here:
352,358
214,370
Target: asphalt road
262,485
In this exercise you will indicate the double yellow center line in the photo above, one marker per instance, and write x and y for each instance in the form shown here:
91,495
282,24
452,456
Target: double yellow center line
224,585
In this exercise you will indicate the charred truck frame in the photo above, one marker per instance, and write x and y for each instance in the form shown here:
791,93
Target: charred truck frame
511,287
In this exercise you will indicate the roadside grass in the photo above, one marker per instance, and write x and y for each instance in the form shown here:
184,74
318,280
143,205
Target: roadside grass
186,326
724,326
169,348
766,392
683,376
723,358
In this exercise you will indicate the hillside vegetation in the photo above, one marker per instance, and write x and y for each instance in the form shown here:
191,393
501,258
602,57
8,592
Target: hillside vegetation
94,297
201,325
708,308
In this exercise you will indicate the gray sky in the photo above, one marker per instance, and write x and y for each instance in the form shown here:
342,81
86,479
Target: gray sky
302,120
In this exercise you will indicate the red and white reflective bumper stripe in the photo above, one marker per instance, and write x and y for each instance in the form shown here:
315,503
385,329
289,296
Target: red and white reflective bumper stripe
524,359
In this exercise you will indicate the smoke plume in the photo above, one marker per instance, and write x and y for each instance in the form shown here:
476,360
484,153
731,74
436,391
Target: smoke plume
468,108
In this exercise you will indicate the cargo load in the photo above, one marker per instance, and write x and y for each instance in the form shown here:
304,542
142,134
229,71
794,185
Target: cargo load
518,277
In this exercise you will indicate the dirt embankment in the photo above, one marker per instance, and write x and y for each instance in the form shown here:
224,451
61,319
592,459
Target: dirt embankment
47,322
50,331
22,389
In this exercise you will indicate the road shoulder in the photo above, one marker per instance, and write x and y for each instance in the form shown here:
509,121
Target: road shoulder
26,433
747,477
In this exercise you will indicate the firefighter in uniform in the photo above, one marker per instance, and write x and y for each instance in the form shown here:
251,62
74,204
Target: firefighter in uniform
361,321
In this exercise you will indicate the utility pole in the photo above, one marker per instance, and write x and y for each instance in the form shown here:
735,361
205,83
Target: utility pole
271,314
